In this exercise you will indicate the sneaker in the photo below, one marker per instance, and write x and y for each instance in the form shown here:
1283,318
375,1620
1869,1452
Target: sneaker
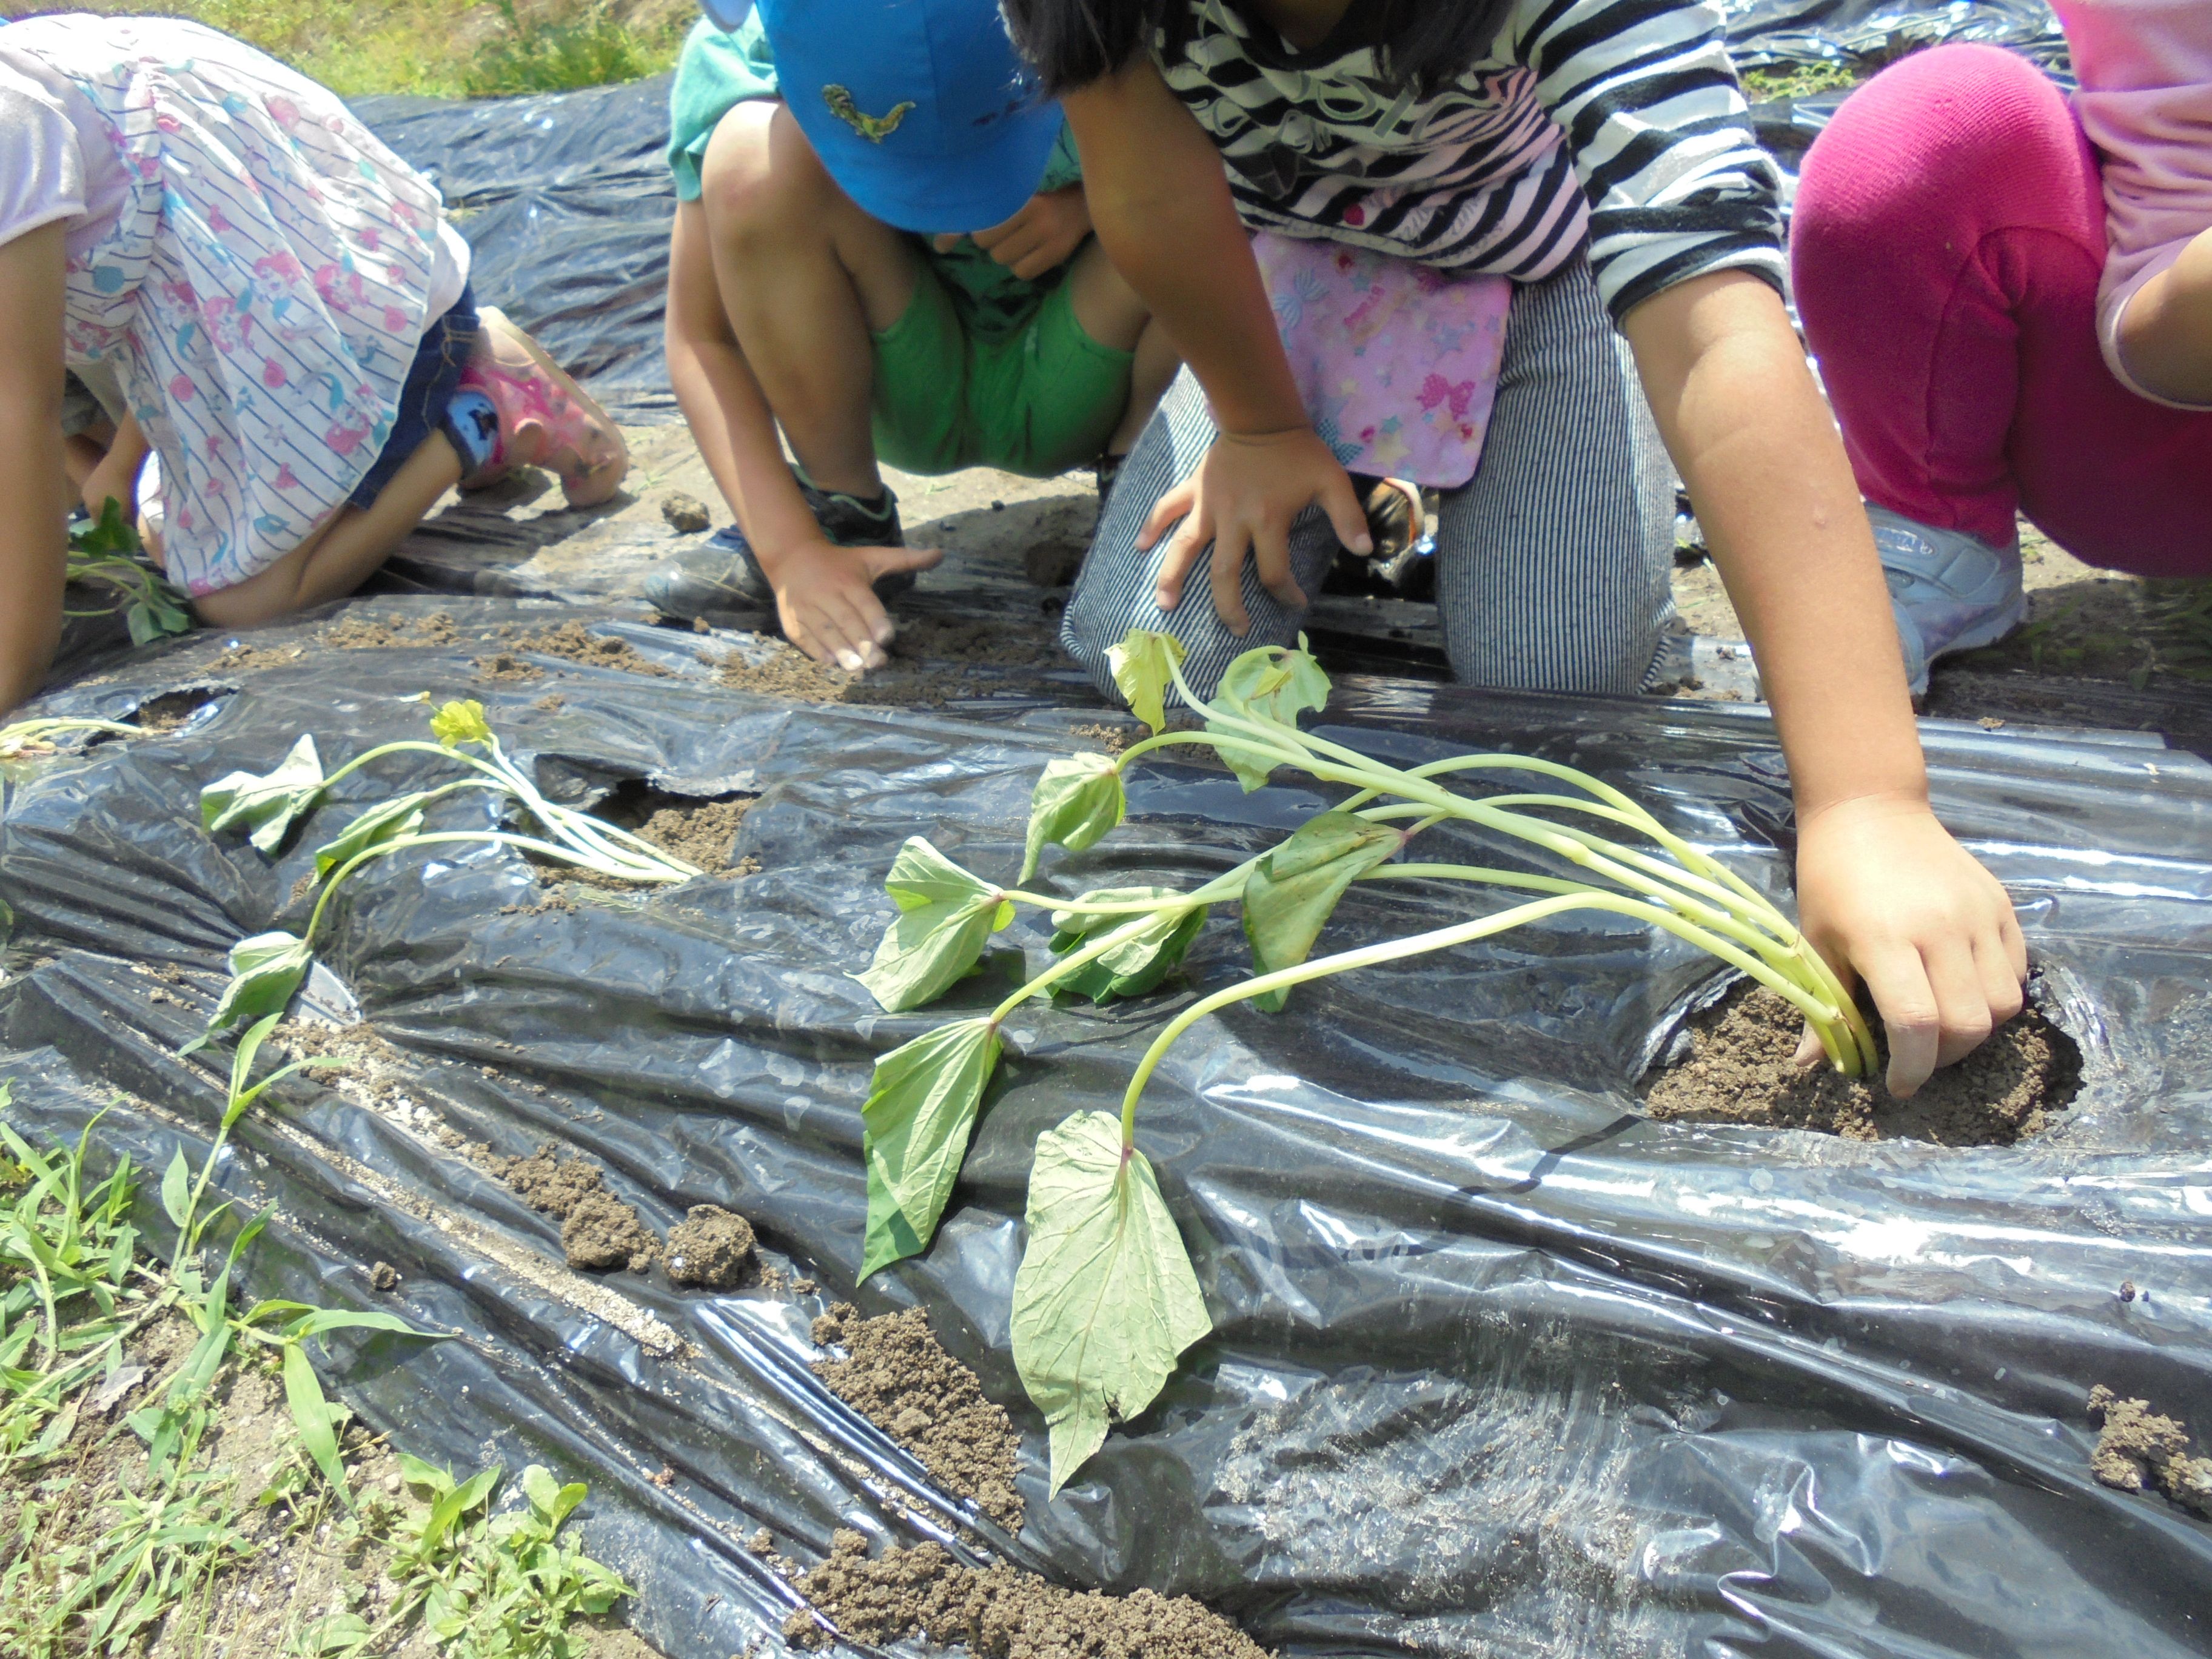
545,419
1951,591
722,574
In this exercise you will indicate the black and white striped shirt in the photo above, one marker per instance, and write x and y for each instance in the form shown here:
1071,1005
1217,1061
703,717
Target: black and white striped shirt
1617,121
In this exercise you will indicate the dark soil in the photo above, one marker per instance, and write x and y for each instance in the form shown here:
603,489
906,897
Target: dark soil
2140,1449
699,832
1742,1069
898,1376
599,1231
573,641
172,709
934,660
711,1247
999,1611
361,634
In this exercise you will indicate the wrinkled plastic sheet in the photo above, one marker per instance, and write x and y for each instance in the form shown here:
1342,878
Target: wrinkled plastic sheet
1500,1366
566,199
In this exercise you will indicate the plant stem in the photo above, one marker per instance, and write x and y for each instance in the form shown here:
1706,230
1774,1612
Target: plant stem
1221,888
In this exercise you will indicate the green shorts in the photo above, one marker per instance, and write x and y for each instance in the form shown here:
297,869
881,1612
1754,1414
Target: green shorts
1036,399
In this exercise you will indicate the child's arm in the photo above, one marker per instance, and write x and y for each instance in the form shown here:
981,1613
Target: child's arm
1161,206
2166,332
32,542
117,476
1882,887
825,595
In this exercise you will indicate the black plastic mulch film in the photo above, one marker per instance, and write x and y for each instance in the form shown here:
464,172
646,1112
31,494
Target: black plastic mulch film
1500,1366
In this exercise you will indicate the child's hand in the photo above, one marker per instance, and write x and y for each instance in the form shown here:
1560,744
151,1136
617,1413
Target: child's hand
1887,896
1243,496
826,597
1042,237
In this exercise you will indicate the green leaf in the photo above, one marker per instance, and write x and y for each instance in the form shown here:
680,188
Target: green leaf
1105,1300
176,1189
1293,891
946,916
267,804
265,971
320,1320
388,822
1142,668
312,1415
1079,800
1271,683
1135,967
458,723
918,1115
416,1473
538,1486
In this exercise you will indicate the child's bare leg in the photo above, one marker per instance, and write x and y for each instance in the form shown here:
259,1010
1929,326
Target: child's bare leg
346,551
2165,334
1112,314
805,276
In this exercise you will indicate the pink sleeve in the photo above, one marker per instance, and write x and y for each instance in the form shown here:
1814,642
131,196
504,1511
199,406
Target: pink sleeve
41,171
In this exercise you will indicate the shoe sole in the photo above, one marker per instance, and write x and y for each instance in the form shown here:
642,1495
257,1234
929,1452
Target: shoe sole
2007,622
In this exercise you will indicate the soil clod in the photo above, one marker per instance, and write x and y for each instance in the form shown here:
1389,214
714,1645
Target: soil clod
711,1247
599,1231
1742,1069
899,1377
2140,1449
365,634
384,1277
573,641
686,515
999,1611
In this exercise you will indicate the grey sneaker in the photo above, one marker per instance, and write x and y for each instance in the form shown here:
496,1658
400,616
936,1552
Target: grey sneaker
1951,591
722,574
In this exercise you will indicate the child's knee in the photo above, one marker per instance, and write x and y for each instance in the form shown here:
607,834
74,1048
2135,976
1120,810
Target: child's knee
760,178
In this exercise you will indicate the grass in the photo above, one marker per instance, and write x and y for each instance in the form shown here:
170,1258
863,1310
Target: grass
501,48
221,1515
1767,86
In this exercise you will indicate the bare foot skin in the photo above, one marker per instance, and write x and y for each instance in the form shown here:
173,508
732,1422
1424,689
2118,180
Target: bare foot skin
545,419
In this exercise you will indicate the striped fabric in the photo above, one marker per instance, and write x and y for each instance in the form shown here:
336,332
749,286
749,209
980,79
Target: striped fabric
1617,121
1552,564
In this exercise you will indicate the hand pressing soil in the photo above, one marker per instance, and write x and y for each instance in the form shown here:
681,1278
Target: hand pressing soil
711,1247
1742,1069
2139,1447
898,1376
599,1231
1000,1611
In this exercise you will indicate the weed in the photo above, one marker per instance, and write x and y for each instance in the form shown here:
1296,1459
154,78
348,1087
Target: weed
592,49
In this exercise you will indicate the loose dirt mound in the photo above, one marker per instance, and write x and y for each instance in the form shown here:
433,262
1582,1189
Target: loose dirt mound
2139,1449
362,634
934,660
571,640
599,1231
712,1248
699,832
1742,1069
999,1611
169,711
897,1375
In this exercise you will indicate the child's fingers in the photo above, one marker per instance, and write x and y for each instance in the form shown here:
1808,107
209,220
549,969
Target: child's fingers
947,242
1189,544
1229,547
1911,1016
1271,551
987,240
1175,505
1346,515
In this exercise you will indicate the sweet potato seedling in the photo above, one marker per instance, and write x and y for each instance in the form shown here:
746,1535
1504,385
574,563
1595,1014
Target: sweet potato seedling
105,552
1106,1300
268,968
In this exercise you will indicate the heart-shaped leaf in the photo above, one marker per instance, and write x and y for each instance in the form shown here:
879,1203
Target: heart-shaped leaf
920,1113
267,804
386,821
264,971
1105,1300
1142,665
946,916
1079,800
1293,891
1270,683
1136,965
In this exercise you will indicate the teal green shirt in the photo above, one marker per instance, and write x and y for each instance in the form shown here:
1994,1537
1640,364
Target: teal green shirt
718,72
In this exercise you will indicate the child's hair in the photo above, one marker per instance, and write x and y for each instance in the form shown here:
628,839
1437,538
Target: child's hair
1418,43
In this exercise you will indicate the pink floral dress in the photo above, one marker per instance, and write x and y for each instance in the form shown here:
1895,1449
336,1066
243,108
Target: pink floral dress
263,290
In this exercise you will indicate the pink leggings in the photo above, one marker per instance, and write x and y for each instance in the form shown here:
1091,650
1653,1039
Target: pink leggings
1949,235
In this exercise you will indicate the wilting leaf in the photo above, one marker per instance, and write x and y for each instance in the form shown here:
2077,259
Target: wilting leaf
1105,1300
919,1112
1140,667
946,916
458,723
386,821
1293,891
269,803
265,971
1136,966
1079,800
1271,683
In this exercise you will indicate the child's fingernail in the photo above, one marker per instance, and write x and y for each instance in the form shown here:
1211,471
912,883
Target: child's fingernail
849,660
1363,544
